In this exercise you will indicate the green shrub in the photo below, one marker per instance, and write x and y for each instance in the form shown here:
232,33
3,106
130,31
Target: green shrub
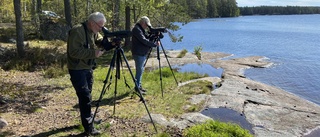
197,51
55,71
182,53
216,129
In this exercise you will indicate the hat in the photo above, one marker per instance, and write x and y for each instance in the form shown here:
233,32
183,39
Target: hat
146,20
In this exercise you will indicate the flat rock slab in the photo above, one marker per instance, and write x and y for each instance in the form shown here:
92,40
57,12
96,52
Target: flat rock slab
271,111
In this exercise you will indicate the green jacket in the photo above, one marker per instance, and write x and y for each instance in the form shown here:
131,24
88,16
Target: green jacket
79,54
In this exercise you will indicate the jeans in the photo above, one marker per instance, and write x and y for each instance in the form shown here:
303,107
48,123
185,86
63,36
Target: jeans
139,62
82,81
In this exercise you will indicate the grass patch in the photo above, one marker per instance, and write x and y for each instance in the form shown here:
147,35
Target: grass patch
199,87
171,104
216,129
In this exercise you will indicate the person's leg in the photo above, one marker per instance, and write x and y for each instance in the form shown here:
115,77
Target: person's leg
82,83
139,63
89,78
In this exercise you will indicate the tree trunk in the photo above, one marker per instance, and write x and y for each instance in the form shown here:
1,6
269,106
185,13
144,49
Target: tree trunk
67,12
75,8
19,29
116,16
39,5
33,11
127,40
88,7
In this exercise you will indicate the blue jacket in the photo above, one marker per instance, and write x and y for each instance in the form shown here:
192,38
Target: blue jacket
140,42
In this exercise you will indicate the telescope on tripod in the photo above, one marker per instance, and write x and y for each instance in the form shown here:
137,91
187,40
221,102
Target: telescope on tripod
116,62
155,34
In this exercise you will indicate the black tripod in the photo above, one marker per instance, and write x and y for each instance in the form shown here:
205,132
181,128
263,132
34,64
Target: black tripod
116,62
156,39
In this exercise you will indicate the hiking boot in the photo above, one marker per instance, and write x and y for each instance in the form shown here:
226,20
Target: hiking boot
138,89
96,121
142,89
93,132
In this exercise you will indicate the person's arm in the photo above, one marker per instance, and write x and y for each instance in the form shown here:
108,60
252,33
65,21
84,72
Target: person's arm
137,33
103,42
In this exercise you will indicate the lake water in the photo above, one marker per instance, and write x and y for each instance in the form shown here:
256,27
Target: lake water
292,42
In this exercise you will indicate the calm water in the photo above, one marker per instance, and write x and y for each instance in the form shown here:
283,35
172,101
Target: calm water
292,42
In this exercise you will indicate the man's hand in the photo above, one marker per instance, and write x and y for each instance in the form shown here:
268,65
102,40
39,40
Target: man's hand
99,53
158,43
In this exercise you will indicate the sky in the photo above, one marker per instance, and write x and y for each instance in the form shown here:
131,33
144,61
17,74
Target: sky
242,3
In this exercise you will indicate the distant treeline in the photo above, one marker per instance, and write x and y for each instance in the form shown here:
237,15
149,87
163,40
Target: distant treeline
279,10
208,8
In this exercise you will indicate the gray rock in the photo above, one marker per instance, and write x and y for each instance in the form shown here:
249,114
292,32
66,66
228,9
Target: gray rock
196,99
3,123
271,111
196,118
157,118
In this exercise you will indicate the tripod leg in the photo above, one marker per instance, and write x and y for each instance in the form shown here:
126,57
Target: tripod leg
117,77
104,85
134,81
125,80
164,52
147,57
160,72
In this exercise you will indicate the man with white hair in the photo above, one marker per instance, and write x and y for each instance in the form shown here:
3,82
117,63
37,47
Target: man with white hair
81,55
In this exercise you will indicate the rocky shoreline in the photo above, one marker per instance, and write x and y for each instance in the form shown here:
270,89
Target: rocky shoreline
271,110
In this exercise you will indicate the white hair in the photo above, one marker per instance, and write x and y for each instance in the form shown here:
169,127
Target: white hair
97,16
144,19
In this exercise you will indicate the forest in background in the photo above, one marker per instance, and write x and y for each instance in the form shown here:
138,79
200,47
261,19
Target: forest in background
122,14
161,12
279,10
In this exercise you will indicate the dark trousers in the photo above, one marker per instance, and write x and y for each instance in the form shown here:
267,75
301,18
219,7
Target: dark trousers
82,81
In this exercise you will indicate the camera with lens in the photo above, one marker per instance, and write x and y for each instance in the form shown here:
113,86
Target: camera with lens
116,37
155,33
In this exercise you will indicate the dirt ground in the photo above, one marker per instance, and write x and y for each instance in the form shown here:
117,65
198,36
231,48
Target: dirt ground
58,111
36,107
